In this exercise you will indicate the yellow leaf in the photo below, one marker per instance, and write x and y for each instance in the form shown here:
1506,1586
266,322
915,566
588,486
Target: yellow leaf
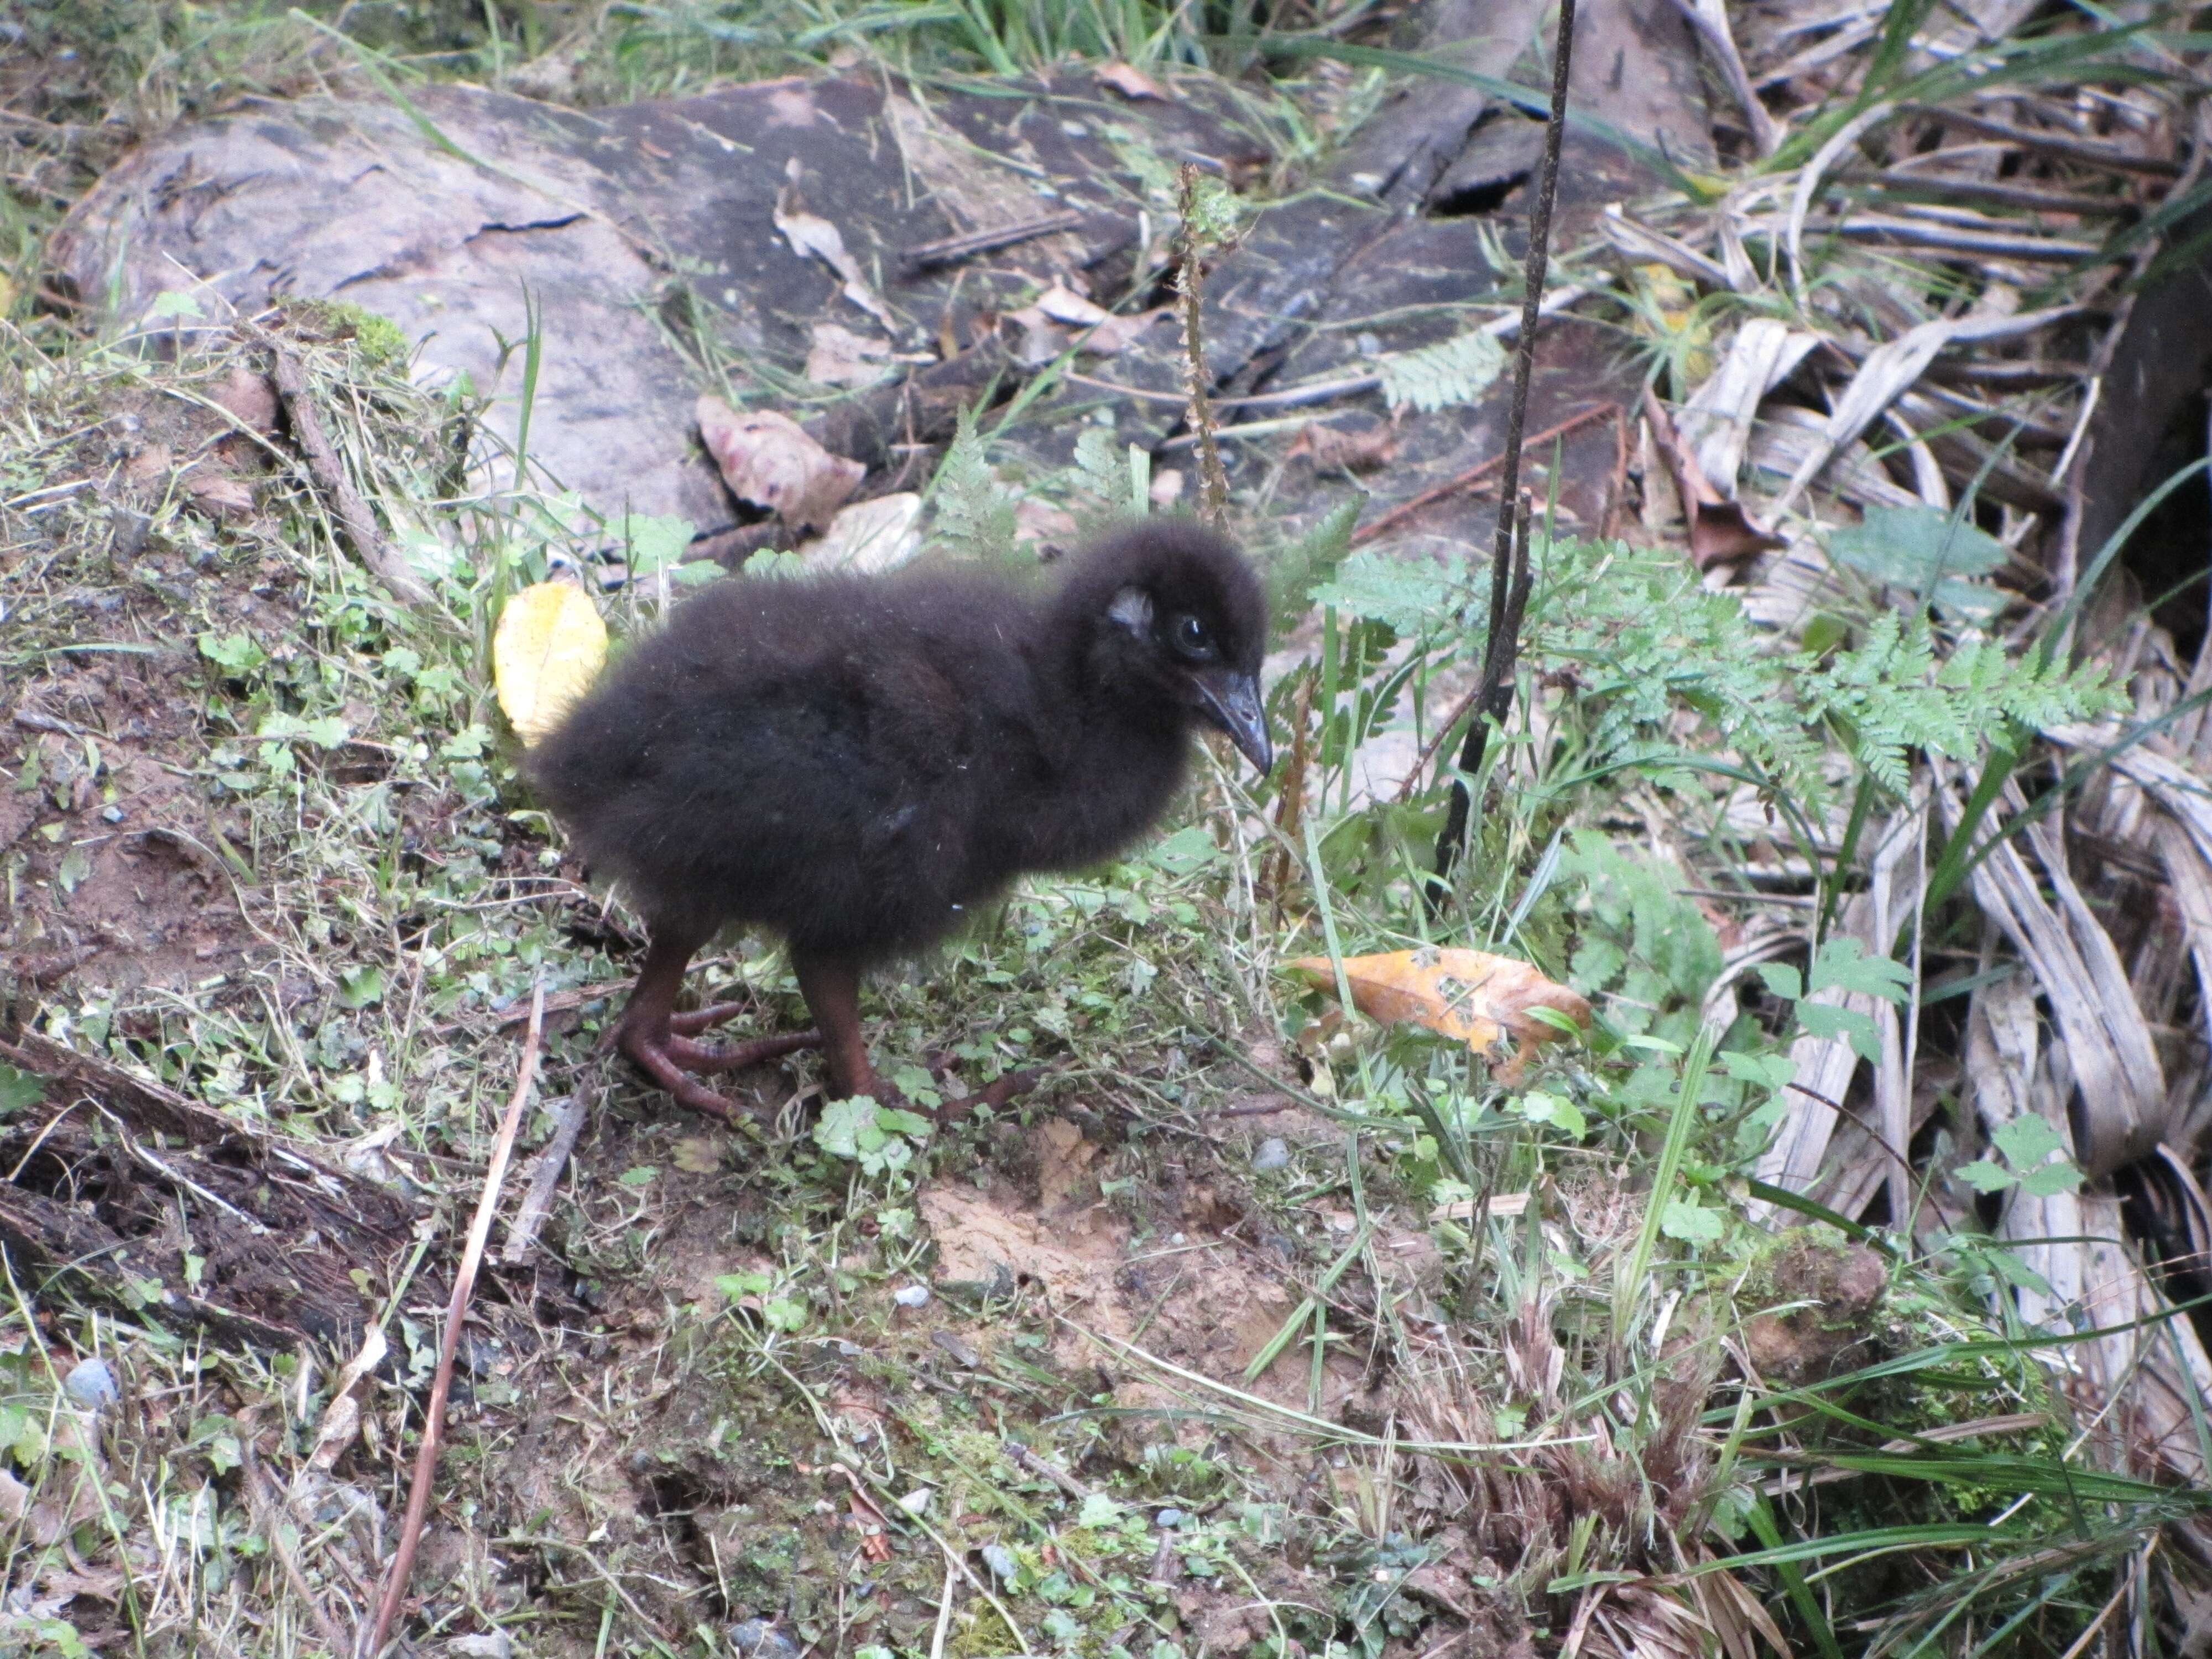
547,651
1471,996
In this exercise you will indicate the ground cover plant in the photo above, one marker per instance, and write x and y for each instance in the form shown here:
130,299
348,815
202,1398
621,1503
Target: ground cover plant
1837,1289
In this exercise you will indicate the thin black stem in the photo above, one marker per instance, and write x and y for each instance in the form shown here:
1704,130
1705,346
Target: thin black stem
1510,580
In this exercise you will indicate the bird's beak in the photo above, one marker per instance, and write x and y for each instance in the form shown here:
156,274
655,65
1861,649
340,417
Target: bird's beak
1232,701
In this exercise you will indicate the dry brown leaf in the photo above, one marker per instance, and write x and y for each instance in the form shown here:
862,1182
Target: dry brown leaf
766,459
1332,451
811,236
1036,519
1118,332
546,651
840,357
1132,82
248,398
1720,532
1042,339
1471,996
869,536
1064,305
220,493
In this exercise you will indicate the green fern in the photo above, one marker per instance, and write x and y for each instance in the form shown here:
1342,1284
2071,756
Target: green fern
1098,483
974,512
1649,646
1454,371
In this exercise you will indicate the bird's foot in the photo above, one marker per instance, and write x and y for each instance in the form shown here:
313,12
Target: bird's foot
707,1018
657,1063
709,1058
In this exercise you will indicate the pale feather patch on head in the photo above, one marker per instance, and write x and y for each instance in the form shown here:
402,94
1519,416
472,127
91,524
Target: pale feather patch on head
1133,610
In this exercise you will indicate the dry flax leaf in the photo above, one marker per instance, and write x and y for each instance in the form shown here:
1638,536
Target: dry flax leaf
546,653
2107,1042
1715,422
1471,996
1800,1154
1130,83
811,236
768,459
1894,367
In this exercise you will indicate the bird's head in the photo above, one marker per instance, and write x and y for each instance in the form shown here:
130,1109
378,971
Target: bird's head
1175,614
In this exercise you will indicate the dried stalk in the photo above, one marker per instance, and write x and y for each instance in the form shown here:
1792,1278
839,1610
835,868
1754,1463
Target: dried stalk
1510,580
465,1280
1190,281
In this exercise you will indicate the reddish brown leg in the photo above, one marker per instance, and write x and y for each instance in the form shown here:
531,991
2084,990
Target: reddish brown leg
832,986
645,1036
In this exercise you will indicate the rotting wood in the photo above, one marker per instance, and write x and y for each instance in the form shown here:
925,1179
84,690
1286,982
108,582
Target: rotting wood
153,1176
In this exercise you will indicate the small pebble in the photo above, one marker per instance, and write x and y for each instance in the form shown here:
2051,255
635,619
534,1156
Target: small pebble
1168,1518
1274,1152
91,1385
1367,345
1001,1562
111,815
911,1296
489,1644
756,1639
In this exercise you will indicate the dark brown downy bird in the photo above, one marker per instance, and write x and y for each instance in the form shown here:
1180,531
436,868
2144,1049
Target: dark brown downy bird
858,762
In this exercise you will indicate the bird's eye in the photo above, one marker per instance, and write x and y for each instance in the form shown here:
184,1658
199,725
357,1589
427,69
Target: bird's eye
1192,638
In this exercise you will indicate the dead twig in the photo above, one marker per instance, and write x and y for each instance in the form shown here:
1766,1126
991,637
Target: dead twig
382,559
1036,1465
924,256
1510,580
544,1177
464,1280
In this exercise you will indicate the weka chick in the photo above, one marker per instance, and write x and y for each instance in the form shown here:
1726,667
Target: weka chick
855,761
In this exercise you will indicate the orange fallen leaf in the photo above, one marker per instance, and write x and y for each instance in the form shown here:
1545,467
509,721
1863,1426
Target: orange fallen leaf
1131,82
1471,996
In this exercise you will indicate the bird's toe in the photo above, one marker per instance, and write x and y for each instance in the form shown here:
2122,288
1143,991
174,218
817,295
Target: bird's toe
710,1058
707,1018
652,1056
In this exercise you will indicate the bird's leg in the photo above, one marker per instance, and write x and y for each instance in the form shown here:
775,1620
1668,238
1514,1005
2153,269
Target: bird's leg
832,986
645,1034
